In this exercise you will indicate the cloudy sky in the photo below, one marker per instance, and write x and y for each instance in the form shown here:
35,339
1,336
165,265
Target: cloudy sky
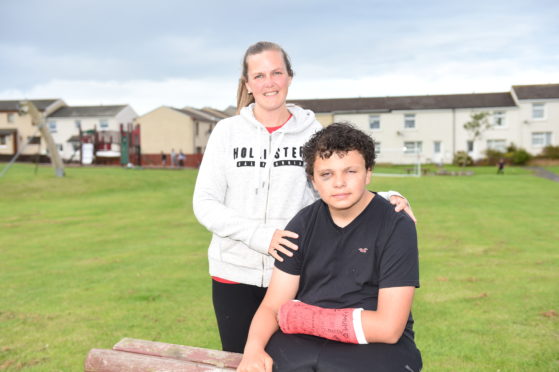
188,53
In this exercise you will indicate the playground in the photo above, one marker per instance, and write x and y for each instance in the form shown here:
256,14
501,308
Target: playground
105,253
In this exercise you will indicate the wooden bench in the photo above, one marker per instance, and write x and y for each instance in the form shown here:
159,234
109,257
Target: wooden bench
132,355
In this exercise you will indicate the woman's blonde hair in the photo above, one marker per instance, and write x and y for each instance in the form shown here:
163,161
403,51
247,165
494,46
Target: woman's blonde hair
243,97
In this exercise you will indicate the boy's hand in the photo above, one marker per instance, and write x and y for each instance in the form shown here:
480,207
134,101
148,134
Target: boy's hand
402,204
256,362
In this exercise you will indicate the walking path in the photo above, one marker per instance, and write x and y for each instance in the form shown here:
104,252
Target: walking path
544,173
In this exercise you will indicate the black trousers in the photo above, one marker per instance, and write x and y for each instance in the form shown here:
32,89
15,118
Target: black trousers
235,306
304,353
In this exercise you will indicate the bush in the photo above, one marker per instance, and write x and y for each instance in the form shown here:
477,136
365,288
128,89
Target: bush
461,158
514,155
519,157
493,156
550,152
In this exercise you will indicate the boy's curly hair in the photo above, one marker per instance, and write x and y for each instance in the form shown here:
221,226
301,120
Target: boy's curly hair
338,138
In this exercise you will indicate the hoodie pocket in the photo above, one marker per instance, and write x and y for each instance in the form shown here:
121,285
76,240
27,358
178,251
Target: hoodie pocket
239,254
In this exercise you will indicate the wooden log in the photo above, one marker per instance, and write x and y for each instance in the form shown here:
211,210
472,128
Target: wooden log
217,358
100,360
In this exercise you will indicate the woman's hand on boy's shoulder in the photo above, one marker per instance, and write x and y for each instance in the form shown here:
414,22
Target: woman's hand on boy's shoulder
402,204
280,243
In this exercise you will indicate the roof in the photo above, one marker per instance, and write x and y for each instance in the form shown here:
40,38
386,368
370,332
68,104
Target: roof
215,112
13,105
197,114
4,132
87,111
385,104
542,91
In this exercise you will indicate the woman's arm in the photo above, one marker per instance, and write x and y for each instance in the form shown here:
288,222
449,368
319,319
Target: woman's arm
209,198
283,287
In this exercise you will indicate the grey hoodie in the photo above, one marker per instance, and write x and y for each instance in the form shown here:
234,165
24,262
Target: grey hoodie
251,183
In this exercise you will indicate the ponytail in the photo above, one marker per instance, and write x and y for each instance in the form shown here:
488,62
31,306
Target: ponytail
243,97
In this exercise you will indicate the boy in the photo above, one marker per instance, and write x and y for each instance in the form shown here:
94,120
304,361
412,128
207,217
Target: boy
353,276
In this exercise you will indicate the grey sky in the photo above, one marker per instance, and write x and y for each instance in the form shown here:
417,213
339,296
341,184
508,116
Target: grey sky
177,53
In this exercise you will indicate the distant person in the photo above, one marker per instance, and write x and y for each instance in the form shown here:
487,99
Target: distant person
173,158
342,301
182,158
163,159
251,182
501,166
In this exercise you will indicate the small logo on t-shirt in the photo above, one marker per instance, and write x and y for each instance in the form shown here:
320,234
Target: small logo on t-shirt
363,250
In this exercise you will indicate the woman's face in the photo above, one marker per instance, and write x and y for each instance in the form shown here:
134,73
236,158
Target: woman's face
267,79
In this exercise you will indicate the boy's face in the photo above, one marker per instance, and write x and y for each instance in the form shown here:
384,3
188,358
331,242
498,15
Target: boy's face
342,181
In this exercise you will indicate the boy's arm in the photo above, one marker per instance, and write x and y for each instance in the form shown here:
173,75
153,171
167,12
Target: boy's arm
283,287
357,326
388,322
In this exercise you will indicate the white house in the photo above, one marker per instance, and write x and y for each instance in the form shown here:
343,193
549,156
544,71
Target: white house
18,134
432,127
65,124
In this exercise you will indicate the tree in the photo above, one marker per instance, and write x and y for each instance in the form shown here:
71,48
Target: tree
479,122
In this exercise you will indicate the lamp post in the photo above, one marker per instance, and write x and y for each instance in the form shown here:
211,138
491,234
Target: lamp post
38,119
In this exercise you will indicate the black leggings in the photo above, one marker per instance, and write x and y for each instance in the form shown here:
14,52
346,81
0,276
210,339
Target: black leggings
234,306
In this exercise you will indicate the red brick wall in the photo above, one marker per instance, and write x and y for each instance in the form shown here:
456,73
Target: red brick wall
154,160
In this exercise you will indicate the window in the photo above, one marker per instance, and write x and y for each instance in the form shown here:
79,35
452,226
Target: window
412,147
11,117
470,146
78,124
52,126
497,145
36,140
374,122
437,147
103,124
3,141
499,119
60,147
377,148
409,121
541,139
538,110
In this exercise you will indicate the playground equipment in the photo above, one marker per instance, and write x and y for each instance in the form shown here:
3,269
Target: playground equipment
38,120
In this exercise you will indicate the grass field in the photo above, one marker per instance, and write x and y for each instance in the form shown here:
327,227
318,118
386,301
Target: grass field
107,253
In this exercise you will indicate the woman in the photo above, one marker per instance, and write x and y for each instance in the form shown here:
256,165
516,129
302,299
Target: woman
251,182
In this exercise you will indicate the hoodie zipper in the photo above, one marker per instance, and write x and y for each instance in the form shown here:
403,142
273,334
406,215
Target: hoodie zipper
267,196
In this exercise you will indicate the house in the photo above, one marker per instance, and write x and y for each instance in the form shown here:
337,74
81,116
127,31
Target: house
17,133
538,116
430,128
168,130
66,123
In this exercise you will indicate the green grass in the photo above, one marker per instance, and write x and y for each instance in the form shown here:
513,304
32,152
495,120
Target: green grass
107,253
553,168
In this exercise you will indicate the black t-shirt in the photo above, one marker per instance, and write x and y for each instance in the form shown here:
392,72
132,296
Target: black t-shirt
346,267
